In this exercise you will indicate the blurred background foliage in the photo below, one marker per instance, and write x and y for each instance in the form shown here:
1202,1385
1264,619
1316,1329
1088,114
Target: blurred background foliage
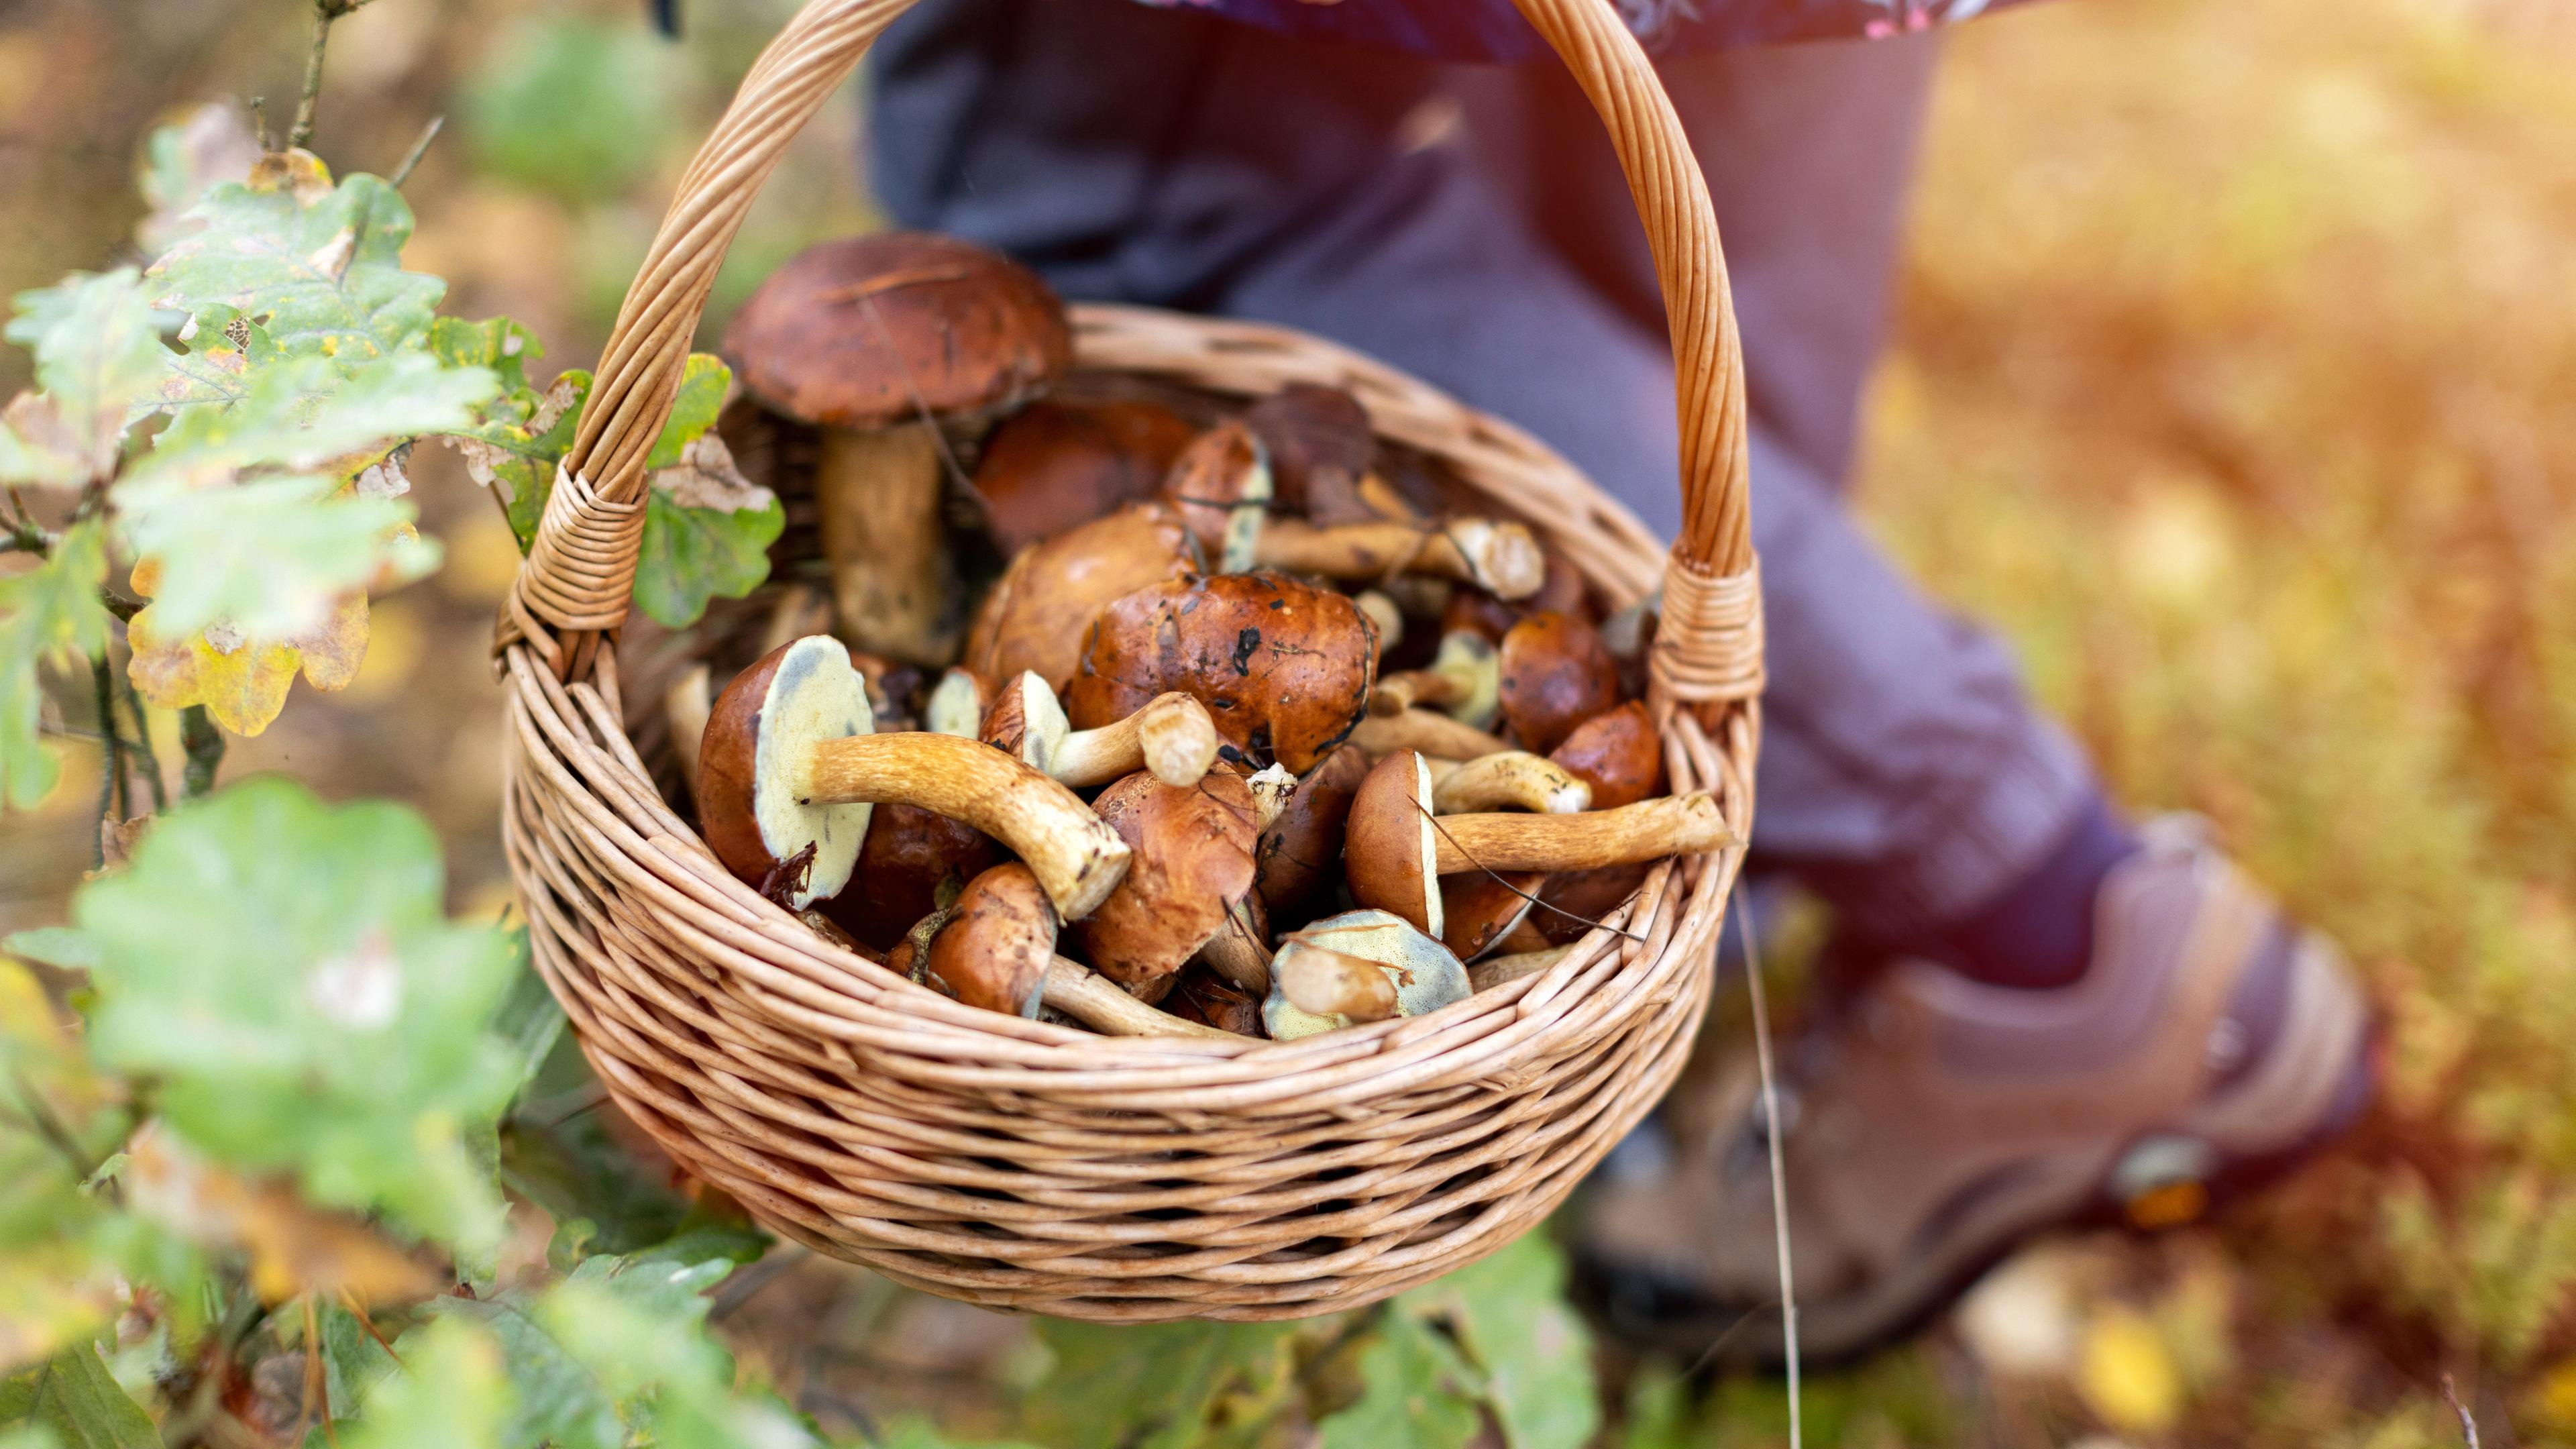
2231,378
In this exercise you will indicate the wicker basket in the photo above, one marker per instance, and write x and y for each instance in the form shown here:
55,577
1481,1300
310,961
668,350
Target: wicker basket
1026,1166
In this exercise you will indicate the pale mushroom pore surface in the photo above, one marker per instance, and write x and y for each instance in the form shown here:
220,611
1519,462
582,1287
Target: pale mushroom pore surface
814,696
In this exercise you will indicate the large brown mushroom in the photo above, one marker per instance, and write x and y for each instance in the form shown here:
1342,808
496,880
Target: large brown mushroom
1037,614
1192,865
1056,464
1390,850
789,768
1283,667
1556,675
874,340
1170,736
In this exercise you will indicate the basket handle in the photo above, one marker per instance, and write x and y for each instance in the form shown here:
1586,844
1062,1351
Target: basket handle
580,573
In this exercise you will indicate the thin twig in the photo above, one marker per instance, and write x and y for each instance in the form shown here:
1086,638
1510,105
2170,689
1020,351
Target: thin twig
1779,1171
2468,1426
144,754
111,759
418,149
205,748
299,137
259,122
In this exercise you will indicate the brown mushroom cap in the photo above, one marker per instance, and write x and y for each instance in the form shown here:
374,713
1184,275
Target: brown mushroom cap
1390,851
1578,898
1221,485
750,763
909,855
1479,910
1037,615
870,330
995,950
1556,675
1315,435
1301,851
1618,754
1285,668
1192,859
1056,464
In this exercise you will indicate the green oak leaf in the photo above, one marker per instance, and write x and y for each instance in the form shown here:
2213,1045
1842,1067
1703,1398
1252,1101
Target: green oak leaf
560,1155
1509,1312
98,348
1413,1395
222,348
268,558
704,381
1164,1385
453,1391
49,614
320,266
513,449
499,346
75,1396
695,553
308,412
285,972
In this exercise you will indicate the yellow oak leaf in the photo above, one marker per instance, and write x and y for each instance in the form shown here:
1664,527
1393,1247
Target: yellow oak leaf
242,682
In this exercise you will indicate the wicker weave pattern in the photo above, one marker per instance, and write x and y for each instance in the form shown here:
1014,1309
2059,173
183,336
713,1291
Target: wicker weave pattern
1022,1165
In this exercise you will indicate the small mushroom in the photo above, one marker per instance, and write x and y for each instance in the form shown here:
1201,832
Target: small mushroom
957,704
1556,675
1428,731
1283,667
1513,779
1171,736
1424,975
1464,682
789,768
1058,463
873,339
1192,862
999,941
1039,610
1301,848
1491,553
910,857
1321,981
1211,1000
1220,484
1617,754
1391,851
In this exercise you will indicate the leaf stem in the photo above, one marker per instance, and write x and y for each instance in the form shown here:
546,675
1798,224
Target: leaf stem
112,784
204,744
418,149
144,754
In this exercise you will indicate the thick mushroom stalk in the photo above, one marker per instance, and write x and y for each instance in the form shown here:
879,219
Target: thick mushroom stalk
1464,681
1630,835
1428,731
1492,554
1077,858
1424,975
1171,736
1513,779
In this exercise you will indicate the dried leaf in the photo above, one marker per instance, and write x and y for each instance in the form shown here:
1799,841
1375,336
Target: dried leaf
242,682
182,161
292,1248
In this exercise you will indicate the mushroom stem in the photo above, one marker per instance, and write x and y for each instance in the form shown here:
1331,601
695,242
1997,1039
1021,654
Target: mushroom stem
1464,682
1381,611
877,503
1073,989
1629,835
1236,951
1428,731
1272,788
1077,858
686,705
1513,779
1171,736
1500,557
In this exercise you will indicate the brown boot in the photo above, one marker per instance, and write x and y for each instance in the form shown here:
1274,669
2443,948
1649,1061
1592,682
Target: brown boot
1934,1123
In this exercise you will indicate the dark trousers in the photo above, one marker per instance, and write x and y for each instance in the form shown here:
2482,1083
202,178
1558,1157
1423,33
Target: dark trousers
1470,226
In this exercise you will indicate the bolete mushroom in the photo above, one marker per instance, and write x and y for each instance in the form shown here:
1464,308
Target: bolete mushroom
1038,612
1556,675
1301,847
1058,463
1390,851
1209,999
1327,964
1480,908
957,704
1191,865
1619,755
1463,682
1220,485
1283,667
1170,735
911,855
874,340
789,768
999,941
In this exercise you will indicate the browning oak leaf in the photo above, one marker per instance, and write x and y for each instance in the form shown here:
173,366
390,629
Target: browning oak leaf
292,1248
707,532
243,683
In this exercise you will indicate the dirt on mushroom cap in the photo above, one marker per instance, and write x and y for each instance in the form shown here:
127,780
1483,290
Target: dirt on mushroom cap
1283,667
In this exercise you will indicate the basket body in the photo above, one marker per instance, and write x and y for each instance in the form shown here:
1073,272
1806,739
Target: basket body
1031,1167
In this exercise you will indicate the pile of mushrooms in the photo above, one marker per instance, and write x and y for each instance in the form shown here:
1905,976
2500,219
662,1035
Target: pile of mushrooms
1247,737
